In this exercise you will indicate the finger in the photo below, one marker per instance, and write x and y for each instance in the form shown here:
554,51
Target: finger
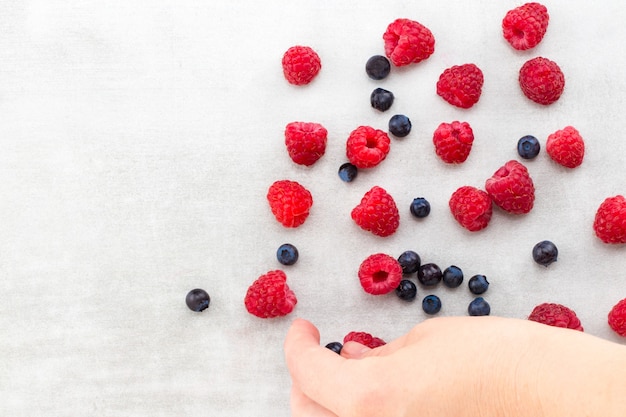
303,406
354,350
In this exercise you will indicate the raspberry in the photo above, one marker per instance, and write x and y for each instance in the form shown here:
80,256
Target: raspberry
290,202
525,26
306,142
556,315
407,41
453,141
300,65
461,85
364,339
566,147
610,221
380,274
511,188
617,318
377,213
270,296
471,207
367,147
541,80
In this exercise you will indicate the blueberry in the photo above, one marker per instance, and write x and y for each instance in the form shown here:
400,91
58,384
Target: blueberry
478,284
399,125
479,307
431,304
420,207
452,276
348,172
528,147
410,262
378,67
335,347
198,300
381,99
429,274
406,290
287,254
545,252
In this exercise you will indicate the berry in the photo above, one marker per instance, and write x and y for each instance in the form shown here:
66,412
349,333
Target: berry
300,65
566,147
377,67
335,347
525,26
198,300
511,188
380,274
270,296
556,315
617,318
290,202
348,172
471,208
541,80
409,261
528,147
461,85
478,284
545,252
453,141
479,307
452,276
610,220
287,254
420,207
364,339
429,274
377,213
399,125
407,290
367,147
306,142
407,41
381,99
431,304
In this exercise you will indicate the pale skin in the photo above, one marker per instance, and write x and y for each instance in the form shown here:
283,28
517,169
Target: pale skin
459,367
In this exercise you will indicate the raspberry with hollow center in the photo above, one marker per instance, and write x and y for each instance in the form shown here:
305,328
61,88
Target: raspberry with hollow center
367,147
525,26
380,274
407,42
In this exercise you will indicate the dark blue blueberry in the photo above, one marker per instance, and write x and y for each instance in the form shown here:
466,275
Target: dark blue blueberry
545,252
479,307
406,290
335,347
478,284
287,254
378,67
431,304
399,125
452,276
429,274
528,147
420,207
381,99
410,262
198,300
348,172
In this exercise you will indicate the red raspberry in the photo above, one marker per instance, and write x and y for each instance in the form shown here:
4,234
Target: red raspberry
461,85
306,142
290,202
270,296
511,188
364,339
377,213
556,315
617,318
453,141
541,80
610,221
524,26
471,207
300,65
380,274
367,147
566,147
407,41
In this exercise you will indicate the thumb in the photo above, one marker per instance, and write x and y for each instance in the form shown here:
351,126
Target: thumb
354,350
